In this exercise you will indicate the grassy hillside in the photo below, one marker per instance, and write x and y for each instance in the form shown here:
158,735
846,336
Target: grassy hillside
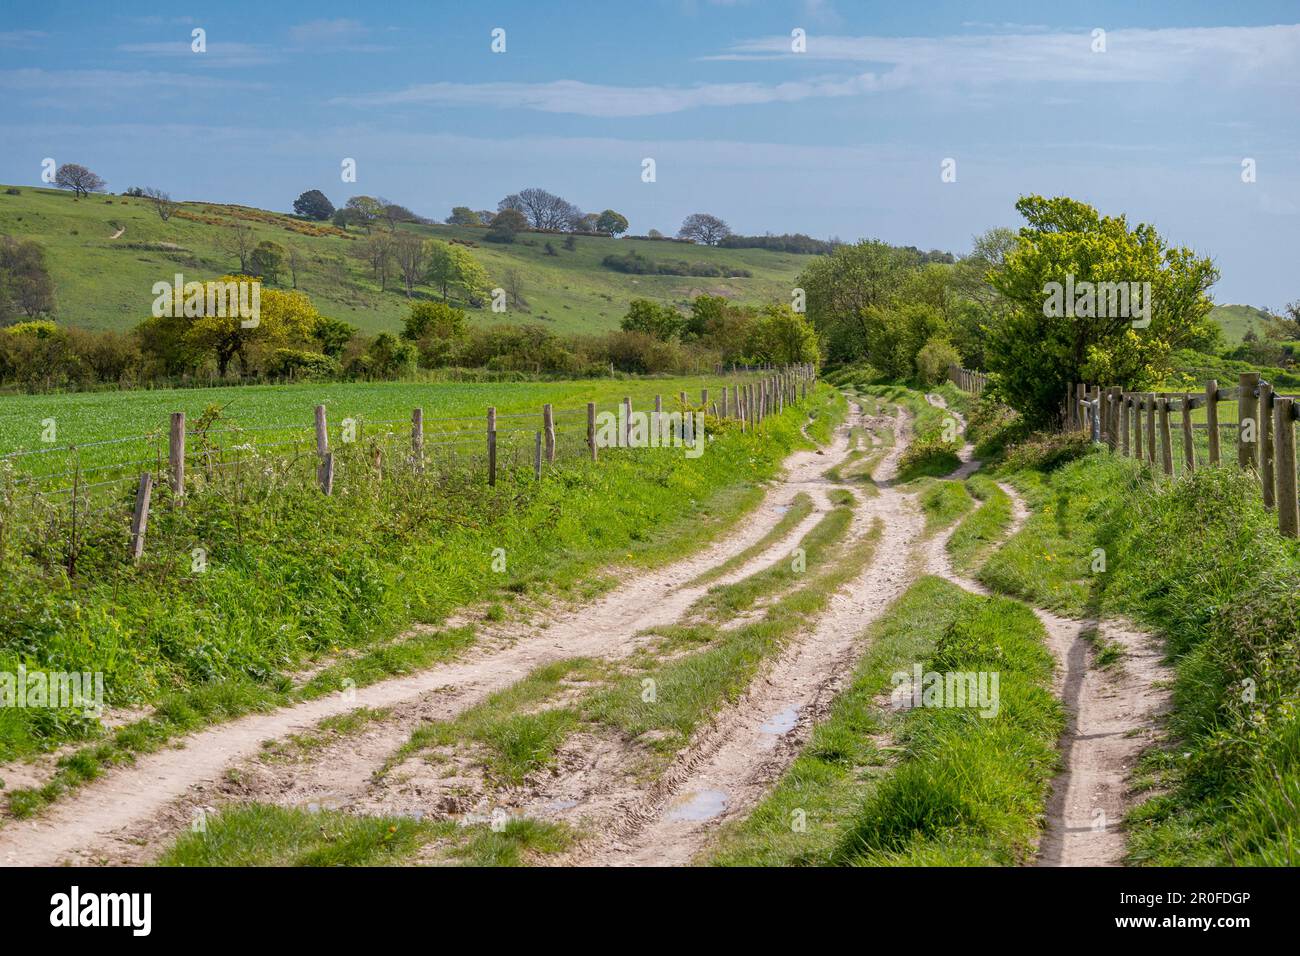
105,283
1236,320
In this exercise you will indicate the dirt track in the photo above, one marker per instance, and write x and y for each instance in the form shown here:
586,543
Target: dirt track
132,812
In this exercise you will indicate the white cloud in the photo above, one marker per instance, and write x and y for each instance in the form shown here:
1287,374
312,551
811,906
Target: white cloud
593,99
1240,54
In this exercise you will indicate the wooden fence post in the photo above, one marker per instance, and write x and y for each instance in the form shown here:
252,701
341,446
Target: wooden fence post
591,429
417,437
1166,440
704,398
537,457
322,432
1136,401
1123,424
1248,421
176,454
325,472
140,518
492,445
726,410
1080,395
1189,445
627,421
1151,428
1266,442
1103,412
1288,504
1212,419
548,426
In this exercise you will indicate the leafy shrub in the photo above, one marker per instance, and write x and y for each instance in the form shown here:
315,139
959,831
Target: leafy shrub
928,456
1045,451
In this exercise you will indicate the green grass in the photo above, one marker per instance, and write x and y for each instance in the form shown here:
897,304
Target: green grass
106,283
943,503
951,787
265,835
828,407
1199,561
974,539
265,414
514,738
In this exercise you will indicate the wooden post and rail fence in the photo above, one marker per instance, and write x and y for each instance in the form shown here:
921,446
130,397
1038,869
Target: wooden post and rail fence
1142,425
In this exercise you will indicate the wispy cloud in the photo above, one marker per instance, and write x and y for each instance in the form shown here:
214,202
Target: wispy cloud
218,52
1256,54
341,35
73,89
1241,55
593,99
20,39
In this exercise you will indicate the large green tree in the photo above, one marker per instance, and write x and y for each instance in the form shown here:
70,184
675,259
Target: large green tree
1059,327
843,288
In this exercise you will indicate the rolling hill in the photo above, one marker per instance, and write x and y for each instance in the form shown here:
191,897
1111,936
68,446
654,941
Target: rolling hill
105,252
1236,320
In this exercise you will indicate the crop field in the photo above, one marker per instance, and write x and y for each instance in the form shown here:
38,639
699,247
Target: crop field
106,427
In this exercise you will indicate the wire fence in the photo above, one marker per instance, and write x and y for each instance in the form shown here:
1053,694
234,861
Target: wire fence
56,498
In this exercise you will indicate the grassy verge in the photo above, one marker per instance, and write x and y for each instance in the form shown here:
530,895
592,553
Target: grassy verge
828,409
962,789
1199,561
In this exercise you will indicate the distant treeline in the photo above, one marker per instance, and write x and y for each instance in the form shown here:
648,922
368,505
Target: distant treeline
636,264
806,245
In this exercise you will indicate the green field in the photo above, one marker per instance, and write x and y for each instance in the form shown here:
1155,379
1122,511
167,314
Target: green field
122,427
105,283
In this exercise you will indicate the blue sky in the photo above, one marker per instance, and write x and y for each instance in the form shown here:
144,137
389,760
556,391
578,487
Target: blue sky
846,138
